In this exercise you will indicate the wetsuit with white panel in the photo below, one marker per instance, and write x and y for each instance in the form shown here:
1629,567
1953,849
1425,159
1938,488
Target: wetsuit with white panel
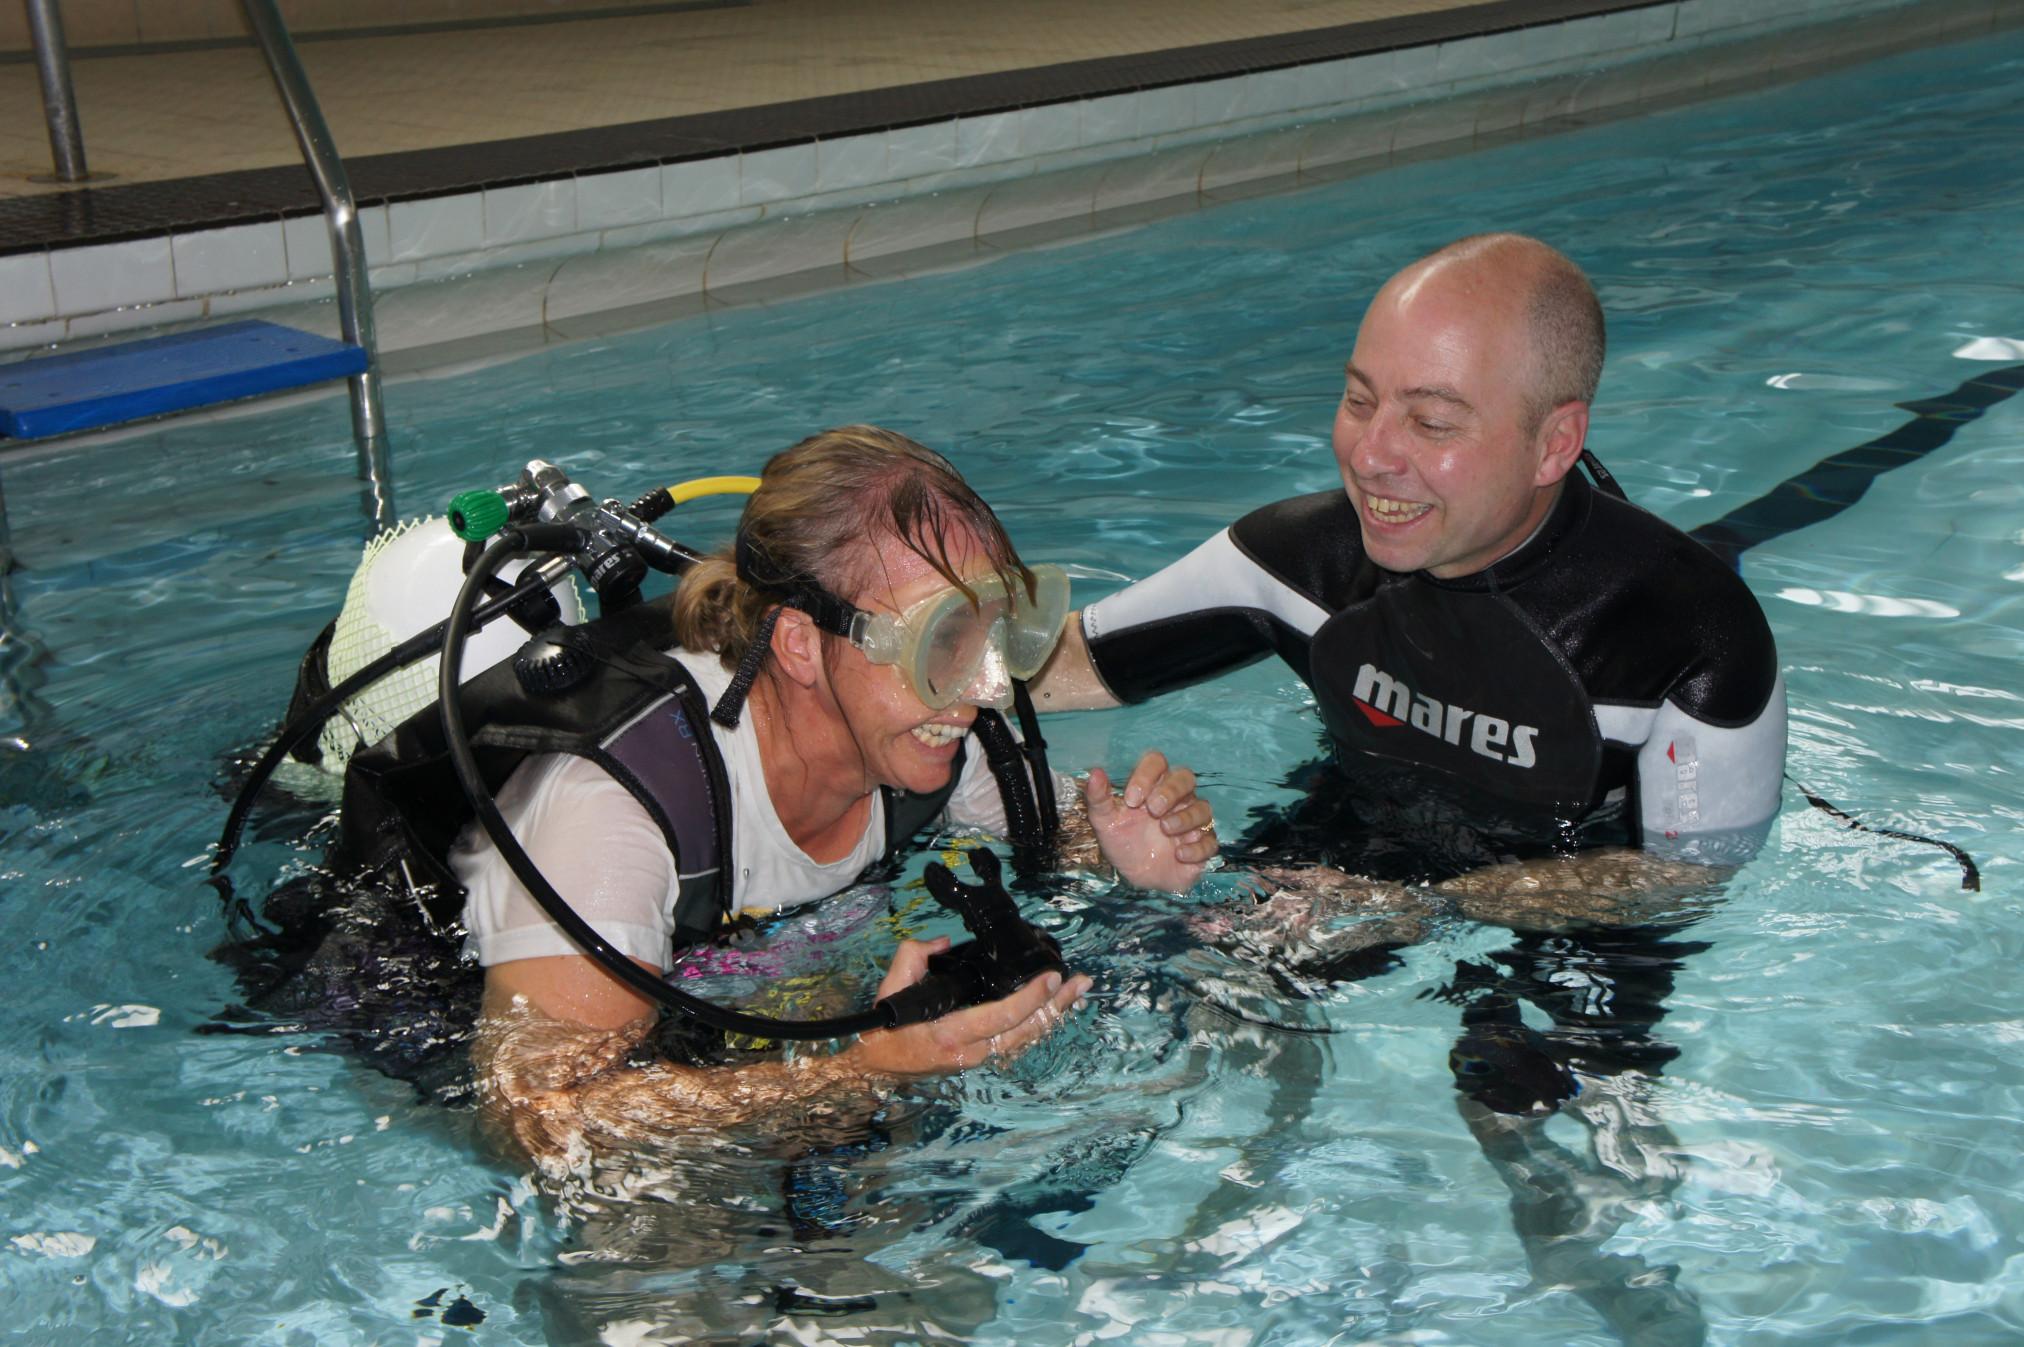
1609,681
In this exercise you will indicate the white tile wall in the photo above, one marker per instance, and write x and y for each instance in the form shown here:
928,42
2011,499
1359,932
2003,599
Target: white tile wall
112,275
244,257
1412,71
712,224
1272,93
1324,83
1434,123
1613,32
700,186
607,200
265,299
535,210
599,282
436,227
24,336
532,251
146,315
1608,89
306,239
1547,100
848,199
779,248
1080,157
1346,140
914,151
1656,24
1152,177
851,161
1050,129
1272,154
1547,46
990,139
27,295
776,175
1500,110
1219,100
1701,17
391,276
924,221
1110,119
981,175
1041,199
1164,111
421,315
1473,58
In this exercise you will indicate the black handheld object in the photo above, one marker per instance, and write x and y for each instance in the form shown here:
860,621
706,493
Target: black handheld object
1005,954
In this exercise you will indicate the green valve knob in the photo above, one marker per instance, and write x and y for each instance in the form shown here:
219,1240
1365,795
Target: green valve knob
477,515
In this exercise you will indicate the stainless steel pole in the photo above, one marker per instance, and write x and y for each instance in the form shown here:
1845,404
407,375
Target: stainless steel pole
59,101
347,252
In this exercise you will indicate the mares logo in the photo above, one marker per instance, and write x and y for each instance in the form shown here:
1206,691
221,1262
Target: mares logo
1386,702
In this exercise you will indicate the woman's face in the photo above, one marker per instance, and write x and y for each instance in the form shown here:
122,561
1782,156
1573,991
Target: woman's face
903,742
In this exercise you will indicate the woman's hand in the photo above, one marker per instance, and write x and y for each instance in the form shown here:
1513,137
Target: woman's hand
995,1031
1159,833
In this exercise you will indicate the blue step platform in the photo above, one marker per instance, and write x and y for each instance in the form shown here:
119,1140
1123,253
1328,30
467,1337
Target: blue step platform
83,390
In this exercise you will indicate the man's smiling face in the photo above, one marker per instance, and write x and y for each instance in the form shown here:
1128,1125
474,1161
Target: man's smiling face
1436,433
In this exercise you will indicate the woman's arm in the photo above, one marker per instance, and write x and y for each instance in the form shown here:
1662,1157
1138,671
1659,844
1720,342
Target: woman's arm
555,1035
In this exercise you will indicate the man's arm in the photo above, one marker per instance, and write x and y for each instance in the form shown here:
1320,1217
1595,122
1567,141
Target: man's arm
1708,793
1216,609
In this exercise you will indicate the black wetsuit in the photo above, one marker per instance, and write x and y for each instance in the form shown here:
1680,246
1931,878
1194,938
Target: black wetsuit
1610,681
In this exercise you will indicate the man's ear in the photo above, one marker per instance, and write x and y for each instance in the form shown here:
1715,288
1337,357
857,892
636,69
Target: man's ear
1559,441
797,647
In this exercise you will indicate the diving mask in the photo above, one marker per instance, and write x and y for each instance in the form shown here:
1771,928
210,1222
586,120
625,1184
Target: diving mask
947,646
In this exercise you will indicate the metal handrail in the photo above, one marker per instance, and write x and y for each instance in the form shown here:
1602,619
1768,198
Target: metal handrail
347,252
59,101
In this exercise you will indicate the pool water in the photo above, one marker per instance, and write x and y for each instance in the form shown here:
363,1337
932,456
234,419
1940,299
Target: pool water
1829,1155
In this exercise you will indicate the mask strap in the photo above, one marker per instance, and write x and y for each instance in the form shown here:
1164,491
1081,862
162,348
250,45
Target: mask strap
756,569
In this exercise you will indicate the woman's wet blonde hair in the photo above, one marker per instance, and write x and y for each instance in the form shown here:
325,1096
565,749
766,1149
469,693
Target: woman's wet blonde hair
821,510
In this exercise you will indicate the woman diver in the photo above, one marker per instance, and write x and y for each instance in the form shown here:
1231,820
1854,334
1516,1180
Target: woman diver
871,605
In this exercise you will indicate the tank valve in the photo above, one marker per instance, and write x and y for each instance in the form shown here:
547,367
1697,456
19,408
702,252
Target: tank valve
477,515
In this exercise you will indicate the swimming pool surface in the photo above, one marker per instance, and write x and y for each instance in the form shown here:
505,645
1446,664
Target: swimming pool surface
1830,1157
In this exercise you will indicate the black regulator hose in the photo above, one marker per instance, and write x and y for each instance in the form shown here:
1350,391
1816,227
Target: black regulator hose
566,538
1035,749
1030,839
298,731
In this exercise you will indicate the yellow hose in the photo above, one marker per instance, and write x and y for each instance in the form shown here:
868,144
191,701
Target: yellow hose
683,492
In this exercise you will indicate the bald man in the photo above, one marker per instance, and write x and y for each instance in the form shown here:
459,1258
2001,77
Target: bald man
1510,661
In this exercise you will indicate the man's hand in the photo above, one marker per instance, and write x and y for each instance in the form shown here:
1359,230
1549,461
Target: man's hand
1159,833
993,1032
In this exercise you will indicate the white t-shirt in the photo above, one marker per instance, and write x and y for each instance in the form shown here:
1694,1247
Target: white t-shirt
605,855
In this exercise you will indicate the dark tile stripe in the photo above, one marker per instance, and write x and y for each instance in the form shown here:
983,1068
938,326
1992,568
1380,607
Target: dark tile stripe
118,212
